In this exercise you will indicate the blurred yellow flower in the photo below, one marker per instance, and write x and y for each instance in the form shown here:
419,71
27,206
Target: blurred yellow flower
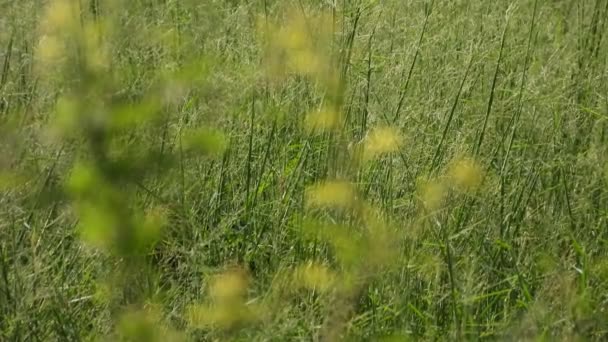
314,276
323,120
229,286
294,36
97,55
50,50
146,325
301,45
305,62
228,308
381,141
336,194
431,193
465,174
223,316
60,15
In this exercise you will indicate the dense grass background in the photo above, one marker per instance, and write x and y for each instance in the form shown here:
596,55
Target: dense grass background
520,87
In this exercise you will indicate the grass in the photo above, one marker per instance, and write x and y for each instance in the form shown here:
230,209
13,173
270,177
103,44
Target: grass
303,170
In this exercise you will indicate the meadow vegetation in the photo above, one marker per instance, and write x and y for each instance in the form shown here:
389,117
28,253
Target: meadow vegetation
360,170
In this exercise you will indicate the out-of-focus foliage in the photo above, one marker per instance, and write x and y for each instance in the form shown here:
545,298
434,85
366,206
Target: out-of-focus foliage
310,170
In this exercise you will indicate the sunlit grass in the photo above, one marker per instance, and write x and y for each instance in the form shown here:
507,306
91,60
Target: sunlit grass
354,170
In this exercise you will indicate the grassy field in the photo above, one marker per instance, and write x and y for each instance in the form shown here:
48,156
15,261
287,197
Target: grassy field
329,170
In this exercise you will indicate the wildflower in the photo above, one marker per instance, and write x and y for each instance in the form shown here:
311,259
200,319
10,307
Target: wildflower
50,50
314,276
336,194
431,193
60,15
146,325
299,46
228,308
229,286
97,55
323,120
381,141
465,174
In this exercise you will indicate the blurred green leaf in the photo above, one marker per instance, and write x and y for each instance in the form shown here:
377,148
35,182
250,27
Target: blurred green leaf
83,178
133,114
10,180
206,141
99,225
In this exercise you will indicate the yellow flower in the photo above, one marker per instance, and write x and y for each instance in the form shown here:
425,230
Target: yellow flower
381,141
431,193
60,15
336,194
301,46
295,36
95,48
50,50
228,308
314,276
305,62
323,120
466,174
229,286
